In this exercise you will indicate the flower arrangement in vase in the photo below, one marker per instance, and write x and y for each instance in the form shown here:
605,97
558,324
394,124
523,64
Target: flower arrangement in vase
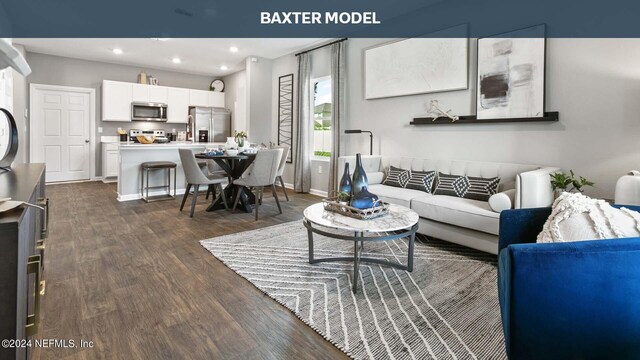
241,139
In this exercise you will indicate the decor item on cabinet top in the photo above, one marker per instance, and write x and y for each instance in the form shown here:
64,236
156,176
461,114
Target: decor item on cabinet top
359,177
152,80
142,78
628,189
511,69
434,110
345,183
217,85
562,182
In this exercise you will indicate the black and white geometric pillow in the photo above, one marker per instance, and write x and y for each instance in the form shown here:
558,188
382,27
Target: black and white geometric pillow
468,187
397,177
481,188
421,180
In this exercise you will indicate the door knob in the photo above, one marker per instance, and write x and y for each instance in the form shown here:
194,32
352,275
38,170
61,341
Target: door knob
86,141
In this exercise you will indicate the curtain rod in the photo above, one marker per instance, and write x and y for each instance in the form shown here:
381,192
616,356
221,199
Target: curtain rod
321,46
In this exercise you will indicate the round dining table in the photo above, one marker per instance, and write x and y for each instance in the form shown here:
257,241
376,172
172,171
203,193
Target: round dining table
233,166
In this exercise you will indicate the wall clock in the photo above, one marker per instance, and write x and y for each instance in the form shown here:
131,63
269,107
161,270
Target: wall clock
217,85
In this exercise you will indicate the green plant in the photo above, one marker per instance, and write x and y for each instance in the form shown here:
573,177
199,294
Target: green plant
569,182
240,134
322,153
343,196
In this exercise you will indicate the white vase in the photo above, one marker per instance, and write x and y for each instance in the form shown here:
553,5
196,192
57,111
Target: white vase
628,189
231,143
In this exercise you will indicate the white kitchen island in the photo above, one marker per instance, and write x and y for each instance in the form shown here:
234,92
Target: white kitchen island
131,155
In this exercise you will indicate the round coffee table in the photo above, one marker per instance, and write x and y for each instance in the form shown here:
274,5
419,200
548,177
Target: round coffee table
399,223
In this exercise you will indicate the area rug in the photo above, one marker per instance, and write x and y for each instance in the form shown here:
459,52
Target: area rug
447,308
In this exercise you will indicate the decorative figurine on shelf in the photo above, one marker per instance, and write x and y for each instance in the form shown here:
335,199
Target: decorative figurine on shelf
364,199
359,177
436,112
345,182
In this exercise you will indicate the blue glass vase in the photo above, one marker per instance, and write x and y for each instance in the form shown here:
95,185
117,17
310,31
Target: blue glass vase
345,182
364,199
359,177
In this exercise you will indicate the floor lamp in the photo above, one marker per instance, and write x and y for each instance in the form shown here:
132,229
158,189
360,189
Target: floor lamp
360,132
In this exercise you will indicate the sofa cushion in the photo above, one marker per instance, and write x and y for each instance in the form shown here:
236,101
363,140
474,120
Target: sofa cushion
421,180
397,177
395,195
468,213
469,187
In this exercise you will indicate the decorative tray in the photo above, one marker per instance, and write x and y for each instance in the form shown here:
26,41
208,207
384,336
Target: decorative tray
332,204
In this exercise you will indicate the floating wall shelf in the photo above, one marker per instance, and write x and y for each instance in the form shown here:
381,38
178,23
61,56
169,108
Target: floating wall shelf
471,119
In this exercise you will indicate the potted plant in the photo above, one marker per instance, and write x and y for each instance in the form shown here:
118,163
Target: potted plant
344,197
562,182
241,138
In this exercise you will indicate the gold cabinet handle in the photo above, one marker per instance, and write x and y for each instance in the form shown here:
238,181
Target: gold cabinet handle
43,287
33,267
40,245
44,202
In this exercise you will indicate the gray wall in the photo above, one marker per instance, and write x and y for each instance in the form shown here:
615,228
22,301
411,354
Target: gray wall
593,83
235,89
55,70
19,106
259,76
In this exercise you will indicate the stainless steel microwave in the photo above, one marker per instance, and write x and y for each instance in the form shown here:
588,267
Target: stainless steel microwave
148,112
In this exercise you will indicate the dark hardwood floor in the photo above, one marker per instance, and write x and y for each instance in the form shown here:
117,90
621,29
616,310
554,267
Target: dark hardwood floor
133,278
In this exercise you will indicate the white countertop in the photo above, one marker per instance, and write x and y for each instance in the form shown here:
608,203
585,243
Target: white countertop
171,145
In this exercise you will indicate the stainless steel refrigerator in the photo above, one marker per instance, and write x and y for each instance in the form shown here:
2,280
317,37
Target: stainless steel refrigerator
217,121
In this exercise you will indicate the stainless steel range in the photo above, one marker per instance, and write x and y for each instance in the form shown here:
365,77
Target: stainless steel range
160,135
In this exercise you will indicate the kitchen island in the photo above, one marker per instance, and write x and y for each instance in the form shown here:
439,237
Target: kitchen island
131,155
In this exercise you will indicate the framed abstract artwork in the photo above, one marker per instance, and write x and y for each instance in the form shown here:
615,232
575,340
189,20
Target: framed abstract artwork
285,113
430,64
511,74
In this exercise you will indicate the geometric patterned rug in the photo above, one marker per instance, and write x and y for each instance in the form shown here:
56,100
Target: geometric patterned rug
447,308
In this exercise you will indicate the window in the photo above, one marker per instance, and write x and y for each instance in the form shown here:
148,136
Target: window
321,89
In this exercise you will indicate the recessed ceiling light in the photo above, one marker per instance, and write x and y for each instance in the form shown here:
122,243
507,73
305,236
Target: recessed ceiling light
223,67
233,49
117,51
176,60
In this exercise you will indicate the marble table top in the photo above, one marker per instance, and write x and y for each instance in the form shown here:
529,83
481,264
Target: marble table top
398,218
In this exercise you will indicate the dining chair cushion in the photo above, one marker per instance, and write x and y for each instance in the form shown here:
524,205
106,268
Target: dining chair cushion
283,159
192,171
264,169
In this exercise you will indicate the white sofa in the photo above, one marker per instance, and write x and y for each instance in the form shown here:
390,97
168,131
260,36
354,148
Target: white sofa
463,221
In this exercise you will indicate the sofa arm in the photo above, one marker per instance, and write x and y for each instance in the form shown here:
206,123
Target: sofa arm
521,226
370,163
533,188
576,300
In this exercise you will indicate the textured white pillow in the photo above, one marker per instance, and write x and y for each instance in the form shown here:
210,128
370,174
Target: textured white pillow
375,177
576,217
502,200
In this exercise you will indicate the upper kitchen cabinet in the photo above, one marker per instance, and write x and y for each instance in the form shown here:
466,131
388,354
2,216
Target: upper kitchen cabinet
177,105
199,97
149,93
116,101
215,99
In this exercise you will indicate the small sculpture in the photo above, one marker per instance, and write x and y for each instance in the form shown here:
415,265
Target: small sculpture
437,112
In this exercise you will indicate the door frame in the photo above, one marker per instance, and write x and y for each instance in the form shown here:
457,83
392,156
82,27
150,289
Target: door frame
92,115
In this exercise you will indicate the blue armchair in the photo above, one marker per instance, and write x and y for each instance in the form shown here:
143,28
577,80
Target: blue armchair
577,300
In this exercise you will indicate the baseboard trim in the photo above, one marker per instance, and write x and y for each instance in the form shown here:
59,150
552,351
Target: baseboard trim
131,197
316,192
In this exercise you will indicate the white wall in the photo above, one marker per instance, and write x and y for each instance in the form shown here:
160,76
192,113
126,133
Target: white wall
259,76
19,106
56,70
235,89
593,83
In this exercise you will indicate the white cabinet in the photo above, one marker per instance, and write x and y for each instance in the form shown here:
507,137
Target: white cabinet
216,99
110,162
158,94
140,93
177,105
116,101
198,98
117,97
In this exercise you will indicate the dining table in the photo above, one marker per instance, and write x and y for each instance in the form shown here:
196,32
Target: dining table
234,166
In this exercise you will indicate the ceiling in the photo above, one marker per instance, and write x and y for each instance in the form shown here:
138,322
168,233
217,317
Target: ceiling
198,56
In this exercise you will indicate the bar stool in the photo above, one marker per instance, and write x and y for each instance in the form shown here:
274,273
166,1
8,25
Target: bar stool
144,173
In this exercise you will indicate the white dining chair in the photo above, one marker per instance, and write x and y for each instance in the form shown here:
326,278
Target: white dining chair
283,162
195,177
261,173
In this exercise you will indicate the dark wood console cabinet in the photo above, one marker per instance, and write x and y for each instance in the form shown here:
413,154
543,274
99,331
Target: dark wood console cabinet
22,235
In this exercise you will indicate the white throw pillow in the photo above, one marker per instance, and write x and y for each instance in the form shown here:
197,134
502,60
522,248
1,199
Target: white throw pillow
502,200
576,217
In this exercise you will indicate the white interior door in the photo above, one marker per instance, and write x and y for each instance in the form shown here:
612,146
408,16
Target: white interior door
61,131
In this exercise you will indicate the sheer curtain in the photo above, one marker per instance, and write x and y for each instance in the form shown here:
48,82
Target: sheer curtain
338,75
302,162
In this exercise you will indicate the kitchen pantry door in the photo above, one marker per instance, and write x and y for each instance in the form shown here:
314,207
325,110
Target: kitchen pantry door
62,121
